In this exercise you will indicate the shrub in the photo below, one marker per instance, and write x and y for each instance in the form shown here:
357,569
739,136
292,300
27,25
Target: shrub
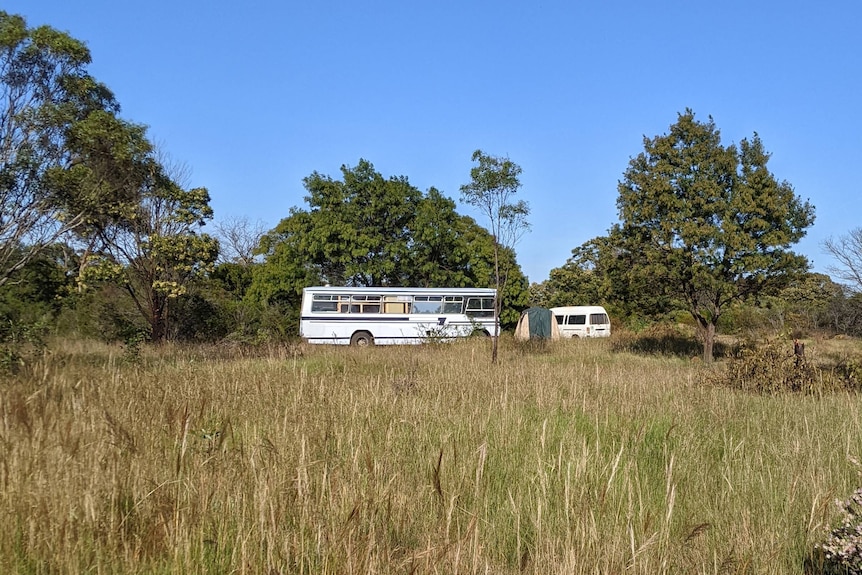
842,551
772,366
766,368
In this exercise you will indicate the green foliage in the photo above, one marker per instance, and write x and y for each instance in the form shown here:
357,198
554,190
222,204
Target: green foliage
38,289
367,230
803,306
494,181
29,303
59,128
156,252
105,313
708,225
586,278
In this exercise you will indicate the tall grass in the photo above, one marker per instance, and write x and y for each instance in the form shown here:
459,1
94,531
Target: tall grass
426,459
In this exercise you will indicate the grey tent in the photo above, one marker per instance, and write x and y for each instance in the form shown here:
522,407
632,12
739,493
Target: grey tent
537,323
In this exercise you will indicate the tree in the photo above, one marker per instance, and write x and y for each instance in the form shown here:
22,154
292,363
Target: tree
156,251
847,250
238,239
707,224
36,292
805,303
53,116
359,227
493,185
586,278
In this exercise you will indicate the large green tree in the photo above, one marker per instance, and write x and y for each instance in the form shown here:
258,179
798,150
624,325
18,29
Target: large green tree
708,224
58,126
359,227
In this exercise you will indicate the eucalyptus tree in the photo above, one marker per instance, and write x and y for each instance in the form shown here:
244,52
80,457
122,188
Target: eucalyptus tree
708,224
58,129
494,182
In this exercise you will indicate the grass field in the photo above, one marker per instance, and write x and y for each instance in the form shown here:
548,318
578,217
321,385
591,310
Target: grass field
414,459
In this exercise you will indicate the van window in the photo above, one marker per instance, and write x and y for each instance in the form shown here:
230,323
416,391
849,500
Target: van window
577,320
599,318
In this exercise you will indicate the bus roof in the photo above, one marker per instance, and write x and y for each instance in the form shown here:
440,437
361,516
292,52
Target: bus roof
402,290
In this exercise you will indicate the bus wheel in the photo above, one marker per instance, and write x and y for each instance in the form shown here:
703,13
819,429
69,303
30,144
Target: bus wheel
362,339
480,333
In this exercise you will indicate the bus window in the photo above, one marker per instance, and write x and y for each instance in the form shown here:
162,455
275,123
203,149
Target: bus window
453,304
360,308
480,307
325,302
366,298
427,304
394,307
396,303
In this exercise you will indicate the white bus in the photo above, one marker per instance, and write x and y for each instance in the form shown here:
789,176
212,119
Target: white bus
385,315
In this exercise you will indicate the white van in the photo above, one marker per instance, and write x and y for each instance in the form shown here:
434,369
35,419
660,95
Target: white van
582,321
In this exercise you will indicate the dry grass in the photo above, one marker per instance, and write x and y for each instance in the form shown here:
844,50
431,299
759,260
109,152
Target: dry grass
574,459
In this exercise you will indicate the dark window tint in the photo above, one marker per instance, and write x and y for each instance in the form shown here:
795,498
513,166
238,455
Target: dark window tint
480,307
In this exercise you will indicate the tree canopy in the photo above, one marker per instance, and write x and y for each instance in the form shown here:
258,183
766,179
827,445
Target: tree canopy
63,150
708,224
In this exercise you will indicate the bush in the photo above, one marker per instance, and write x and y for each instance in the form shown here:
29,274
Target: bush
842,551
772,366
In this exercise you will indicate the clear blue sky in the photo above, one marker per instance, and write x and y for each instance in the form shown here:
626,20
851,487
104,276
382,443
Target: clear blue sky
254,96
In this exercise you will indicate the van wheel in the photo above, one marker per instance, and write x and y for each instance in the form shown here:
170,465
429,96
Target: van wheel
576,336
480,333
362,339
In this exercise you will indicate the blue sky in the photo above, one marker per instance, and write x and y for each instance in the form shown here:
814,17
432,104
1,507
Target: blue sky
255,96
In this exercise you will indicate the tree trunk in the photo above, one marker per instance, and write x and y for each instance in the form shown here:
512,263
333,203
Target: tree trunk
159,319
498,302
708,342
